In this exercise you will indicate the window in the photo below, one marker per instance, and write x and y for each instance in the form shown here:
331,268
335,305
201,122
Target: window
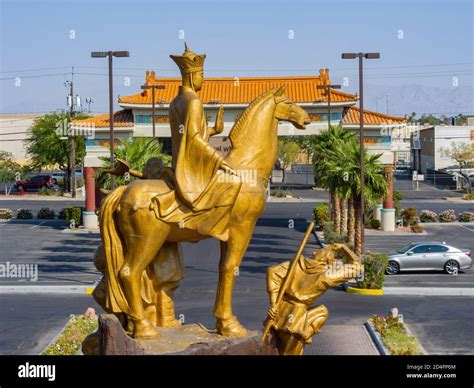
421,249
438,248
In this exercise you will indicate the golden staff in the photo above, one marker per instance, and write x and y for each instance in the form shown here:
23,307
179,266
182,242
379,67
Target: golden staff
289,275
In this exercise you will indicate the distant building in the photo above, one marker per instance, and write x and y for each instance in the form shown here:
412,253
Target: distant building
235,94
433,138
13,132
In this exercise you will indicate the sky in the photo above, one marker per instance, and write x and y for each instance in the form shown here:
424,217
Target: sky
423,44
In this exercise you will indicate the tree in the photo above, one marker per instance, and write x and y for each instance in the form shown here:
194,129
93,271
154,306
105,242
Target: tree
323,158
48,145
9,170
287,152
463,154
344,167
135,151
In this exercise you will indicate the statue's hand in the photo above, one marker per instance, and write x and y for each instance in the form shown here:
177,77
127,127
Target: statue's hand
219,126
273,312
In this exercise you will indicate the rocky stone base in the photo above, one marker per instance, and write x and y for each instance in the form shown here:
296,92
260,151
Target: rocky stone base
193,339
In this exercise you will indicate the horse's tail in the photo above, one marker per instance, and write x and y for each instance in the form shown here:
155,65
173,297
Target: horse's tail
113,250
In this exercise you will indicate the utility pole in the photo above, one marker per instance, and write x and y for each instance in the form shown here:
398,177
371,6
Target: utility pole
328,88
153,115
361,57
72,173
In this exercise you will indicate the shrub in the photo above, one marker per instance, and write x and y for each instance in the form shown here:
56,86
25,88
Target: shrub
397,196
321,214
62,214
24,214
447,216
46,213
395,336
428,216
279,193
417,229
374,223
466,217
331,236
409,216
6,214
468,197
49,192
375,265
74,216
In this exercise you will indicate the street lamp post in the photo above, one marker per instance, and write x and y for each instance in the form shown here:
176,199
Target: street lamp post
110,55
328,88
153,115
361,56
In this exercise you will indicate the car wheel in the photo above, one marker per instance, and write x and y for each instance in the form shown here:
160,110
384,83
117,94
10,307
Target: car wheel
451,267
392,268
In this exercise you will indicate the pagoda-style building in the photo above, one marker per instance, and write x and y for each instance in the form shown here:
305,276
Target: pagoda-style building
234,94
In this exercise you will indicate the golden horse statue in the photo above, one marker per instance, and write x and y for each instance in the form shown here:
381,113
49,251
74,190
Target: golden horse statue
141,224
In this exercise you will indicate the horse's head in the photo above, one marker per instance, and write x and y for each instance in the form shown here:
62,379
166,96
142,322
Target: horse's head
287,110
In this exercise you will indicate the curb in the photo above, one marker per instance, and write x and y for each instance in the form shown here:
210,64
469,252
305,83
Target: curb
377,339
60,290
429,291
363,291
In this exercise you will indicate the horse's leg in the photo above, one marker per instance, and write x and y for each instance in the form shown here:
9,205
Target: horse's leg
142,245
232,253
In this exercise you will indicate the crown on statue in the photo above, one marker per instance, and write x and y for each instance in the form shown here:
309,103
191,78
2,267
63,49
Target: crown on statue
189,62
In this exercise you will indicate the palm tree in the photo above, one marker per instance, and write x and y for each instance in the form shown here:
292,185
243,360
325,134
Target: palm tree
135,151
344,167
323,144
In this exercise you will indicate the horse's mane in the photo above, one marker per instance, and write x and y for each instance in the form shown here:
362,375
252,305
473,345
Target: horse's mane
237,132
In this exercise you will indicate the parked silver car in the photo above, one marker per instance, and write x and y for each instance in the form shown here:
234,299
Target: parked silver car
429,256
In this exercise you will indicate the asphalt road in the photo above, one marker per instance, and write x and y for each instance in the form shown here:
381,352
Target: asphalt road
29,322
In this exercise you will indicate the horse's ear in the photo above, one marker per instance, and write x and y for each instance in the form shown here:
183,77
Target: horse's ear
279,92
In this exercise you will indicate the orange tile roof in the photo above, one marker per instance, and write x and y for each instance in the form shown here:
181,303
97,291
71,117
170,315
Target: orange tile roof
241,90
122,118
351,116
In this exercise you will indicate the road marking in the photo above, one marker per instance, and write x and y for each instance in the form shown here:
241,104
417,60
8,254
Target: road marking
41,223
465,227
46,289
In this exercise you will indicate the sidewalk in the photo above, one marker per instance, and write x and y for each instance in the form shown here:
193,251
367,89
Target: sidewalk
335,340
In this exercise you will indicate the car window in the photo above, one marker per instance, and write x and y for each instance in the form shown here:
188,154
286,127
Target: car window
421,249
438,248
405,248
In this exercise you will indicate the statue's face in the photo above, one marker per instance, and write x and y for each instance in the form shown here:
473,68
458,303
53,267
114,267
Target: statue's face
197,80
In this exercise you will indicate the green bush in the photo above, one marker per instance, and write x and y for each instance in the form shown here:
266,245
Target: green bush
466,217
6,214
279,193
46,213
409,216
321,215
331,236
395,336
397,196
428,216
74,216
375,265
62,214
374,223
24,214
49,192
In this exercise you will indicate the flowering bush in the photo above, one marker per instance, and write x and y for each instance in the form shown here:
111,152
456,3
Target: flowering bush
428,216
447,216
395,336
6,214
466,217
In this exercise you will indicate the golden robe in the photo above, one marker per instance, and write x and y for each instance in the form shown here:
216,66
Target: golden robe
196,163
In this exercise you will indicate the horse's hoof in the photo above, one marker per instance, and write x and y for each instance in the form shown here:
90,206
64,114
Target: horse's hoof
145,330
231,327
